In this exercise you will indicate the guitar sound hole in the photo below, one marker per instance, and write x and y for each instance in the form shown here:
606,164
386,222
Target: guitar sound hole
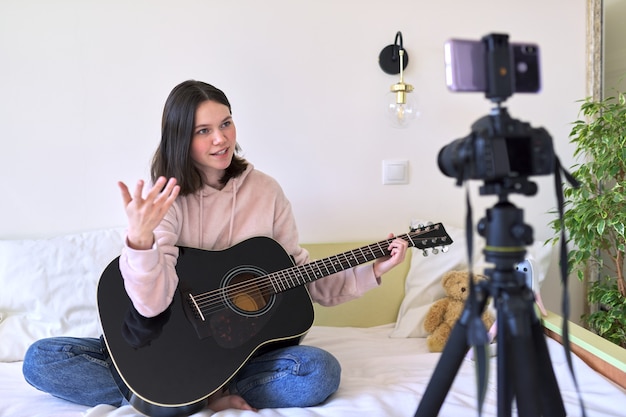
248,295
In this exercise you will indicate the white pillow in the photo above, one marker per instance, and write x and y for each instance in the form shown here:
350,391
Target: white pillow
48,287
423,281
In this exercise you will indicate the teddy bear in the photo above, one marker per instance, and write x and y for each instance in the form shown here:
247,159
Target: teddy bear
444,313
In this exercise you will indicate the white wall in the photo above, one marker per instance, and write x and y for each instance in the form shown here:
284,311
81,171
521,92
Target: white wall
83,83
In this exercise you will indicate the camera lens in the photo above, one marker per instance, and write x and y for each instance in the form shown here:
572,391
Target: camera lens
522,67
453,157
528,49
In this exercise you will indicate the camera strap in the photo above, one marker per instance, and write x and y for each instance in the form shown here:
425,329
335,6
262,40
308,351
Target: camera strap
477,337
565,306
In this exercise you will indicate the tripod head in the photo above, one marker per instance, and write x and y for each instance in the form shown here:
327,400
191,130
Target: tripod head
506,235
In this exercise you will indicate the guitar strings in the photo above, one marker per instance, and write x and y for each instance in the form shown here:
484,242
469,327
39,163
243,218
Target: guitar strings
289,278
212,301
264,286
329,265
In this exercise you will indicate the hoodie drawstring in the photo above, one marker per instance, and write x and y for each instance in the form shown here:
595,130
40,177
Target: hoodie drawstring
232,213
200,222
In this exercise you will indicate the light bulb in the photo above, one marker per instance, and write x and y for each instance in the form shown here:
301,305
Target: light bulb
401,107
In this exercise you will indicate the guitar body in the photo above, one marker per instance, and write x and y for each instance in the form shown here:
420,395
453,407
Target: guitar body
196,351
228,305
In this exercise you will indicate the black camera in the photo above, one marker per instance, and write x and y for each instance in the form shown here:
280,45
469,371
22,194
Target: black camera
498,147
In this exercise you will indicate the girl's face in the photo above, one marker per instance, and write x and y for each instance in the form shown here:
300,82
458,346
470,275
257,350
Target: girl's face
214,140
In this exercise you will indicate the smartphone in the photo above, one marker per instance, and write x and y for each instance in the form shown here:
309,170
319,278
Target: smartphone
466,70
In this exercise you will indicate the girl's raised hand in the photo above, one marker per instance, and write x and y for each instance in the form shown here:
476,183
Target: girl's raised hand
145,213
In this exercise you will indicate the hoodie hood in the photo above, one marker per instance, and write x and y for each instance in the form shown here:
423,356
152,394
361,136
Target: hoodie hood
230,189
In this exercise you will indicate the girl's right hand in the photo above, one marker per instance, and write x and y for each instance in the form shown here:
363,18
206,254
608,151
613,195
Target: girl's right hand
146,213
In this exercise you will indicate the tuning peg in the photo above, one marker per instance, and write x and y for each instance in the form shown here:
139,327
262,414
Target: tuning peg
415,226
444,249
424,253
435,251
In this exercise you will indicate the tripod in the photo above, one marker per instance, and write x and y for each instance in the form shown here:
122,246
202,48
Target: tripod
524,369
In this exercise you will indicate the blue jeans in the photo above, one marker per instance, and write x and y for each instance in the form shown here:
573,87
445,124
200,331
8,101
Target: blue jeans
294,376
77,370
74,369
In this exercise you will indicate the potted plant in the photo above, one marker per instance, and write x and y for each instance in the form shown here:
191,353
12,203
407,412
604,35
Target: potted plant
595,213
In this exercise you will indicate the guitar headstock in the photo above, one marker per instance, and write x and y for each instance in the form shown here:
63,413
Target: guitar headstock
430,236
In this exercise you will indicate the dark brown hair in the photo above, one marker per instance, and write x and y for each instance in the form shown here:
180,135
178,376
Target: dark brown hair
172,157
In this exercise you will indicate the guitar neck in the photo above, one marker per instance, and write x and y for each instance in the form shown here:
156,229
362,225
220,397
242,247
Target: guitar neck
422,238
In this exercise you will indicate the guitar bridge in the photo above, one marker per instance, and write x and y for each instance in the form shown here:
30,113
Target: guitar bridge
194,306
194,315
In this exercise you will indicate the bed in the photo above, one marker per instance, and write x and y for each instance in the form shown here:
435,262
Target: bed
48,288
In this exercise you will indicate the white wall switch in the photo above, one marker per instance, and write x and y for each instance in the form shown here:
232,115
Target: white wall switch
395,171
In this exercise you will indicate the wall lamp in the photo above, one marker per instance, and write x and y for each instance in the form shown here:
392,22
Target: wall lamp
401,108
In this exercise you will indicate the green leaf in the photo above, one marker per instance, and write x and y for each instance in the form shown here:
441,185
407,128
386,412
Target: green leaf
595,214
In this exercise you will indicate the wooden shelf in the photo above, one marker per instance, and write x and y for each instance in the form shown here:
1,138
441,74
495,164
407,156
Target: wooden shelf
601,355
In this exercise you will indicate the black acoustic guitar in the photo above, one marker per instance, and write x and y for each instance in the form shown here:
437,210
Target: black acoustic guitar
228,305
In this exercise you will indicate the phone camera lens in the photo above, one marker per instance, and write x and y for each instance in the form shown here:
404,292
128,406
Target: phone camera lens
522,67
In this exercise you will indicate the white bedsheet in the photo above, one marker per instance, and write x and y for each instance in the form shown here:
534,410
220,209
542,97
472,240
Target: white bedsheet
381,377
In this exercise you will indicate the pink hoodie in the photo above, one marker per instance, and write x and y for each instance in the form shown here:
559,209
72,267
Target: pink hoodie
251,205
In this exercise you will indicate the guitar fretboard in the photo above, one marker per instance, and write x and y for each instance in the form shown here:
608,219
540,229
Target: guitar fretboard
303,274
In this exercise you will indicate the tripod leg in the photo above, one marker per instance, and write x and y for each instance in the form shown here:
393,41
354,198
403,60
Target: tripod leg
445,371
524,373
451,358
517,376
505,390
532,377
550,395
